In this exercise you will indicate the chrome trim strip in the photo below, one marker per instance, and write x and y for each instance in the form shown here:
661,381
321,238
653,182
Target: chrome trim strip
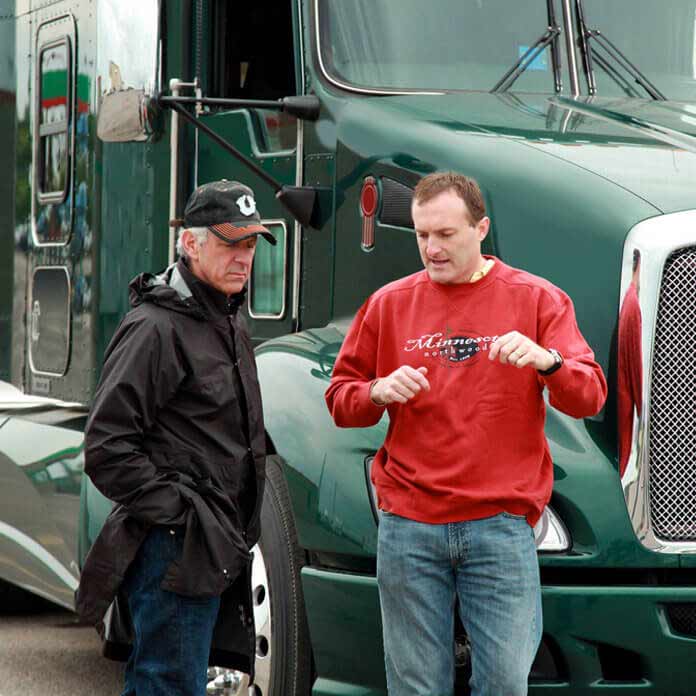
281,315
297,232
30,306
347,86
199,112
655,239
299,171
173,170
175,87
570,49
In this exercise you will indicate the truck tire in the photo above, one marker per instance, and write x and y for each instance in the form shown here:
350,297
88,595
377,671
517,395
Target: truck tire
288,645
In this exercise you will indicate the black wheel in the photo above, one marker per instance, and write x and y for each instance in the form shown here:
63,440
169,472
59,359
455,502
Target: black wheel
283,652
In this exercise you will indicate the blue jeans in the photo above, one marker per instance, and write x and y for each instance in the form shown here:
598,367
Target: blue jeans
172,633
491,567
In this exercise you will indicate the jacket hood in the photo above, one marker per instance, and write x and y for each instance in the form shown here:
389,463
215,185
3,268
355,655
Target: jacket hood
167,289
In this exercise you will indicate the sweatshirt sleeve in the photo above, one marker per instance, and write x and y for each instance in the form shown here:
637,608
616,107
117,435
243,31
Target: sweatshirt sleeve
139,376
348,395
578,388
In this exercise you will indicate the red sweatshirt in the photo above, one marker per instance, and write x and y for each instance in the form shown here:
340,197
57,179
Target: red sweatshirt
473,446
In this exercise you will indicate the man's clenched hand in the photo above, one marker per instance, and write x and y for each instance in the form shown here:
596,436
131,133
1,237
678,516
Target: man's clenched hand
401,386
514,348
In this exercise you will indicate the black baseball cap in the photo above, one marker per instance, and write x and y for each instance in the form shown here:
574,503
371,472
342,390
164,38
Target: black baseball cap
228,210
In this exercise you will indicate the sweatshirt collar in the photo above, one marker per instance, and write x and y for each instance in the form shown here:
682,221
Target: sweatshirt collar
485,269
479,280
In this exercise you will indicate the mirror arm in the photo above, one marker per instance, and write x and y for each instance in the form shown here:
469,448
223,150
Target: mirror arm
299,201
304,107
215,101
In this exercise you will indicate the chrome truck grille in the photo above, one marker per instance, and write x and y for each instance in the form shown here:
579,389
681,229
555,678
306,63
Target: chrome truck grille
672,437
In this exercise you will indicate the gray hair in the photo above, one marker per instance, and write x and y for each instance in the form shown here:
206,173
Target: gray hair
201,235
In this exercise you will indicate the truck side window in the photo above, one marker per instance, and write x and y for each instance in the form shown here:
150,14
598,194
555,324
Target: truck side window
49,322
267,281
253,58
54,115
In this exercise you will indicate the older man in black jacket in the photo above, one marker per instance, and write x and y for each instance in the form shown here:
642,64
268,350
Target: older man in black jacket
175,437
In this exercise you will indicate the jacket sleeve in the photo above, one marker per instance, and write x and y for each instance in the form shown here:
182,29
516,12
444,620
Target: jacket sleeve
140,374
348,395
578,388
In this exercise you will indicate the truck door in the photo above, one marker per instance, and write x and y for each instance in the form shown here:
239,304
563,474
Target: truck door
252,55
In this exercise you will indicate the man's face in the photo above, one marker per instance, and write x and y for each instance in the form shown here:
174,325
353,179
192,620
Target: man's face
448,242
224,266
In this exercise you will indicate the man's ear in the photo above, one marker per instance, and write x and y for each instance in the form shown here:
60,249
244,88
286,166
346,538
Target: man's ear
482,227
190,245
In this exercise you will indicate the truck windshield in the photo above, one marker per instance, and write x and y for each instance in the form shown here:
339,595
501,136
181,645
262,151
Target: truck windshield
659,40
441,45
471,44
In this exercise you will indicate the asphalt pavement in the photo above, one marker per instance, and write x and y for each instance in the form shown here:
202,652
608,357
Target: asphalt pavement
47,652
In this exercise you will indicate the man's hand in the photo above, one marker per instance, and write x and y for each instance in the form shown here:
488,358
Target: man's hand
400,386
516,349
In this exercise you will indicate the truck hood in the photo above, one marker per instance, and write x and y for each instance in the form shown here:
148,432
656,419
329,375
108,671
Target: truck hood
646,147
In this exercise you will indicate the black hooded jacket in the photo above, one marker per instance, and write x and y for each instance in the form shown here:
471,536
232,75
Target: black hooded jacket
175,436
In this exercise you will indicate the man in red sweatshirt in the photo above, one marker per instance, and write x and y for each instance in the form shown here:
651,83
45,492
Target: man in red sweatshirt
459,355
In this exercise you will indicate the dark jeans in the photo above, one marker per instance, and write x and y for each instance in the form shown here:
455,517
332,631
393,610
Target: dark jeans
172,633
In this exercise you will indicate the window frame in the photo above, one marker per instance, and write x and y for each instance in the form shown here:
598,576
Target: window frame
280,316
44,130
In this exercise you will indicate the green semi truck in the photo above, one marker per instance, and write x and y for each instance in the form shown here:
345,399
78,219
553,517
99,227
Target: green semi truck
577,117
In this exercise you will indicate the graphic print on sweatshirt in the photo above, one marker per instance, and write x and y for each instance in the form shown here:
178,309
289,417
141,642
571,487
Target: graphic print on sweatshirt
450,347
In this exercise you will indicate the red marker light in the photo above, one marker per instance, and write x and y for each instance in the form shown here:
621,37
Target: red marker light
369,202
369,197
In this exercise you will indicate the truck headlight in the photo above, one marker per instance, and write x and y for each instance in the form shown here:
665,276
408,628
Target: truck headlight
550,534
